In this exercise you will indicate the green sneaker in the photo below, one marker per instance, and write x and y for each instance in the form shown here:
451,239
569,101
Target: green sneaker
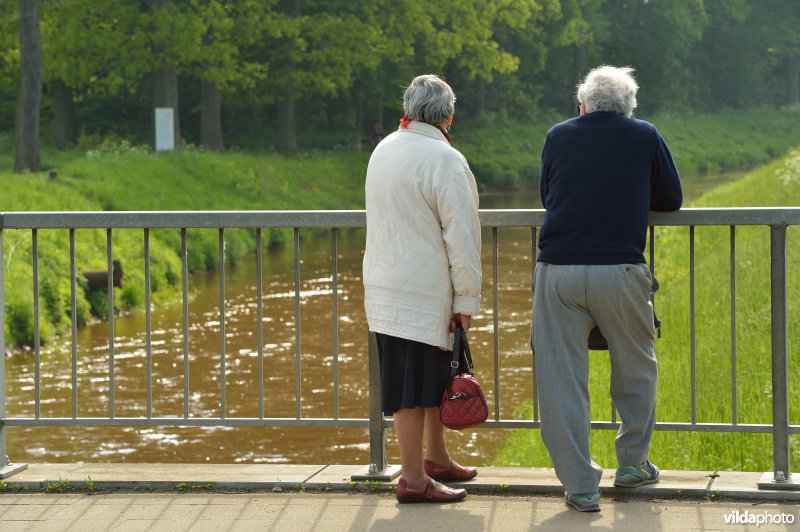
584,502
631,477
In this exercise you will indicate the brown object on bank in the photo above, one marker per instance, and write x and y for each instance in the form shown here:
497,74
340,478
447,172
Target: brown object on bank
98,280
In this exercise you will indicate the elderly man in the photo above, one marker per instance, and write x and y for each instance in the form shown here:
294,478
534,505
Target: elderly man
601,174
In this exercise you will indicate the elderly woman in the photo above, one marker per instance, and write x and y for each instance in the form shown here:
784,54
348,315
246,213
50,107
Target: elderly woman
601,174
422,277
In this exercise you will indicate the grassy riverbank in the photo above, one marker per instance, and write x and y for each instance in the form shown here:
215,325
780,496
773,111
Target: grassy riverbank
118,176
777,184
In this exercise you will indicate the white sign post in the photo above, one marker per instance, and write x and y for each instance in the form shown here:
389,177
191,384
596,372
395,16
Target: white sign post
165,129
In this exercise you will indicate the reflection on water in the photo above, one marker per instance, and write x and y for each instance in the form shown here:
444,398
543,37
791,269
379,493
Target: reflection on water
285,367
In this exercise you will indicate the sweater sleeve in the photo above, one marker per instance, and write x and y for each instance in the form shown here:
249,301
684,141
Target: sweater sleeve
666,193
543,172
457,202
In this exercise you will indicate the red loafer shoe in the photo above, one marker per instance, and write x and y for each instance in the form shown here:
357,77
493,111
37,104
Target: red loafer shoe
449,473
430,492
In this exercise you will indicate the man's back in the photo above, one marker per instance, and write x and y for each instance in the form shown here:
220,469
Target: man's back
601,175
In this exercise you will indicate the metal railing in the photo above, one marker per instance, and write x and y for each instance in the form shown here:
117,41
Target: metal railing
777,219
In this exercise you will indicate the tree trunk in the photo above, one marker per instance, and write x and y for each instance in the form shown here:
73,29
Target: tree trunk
580,61
377,113
481,107
165,94
26,126
580,66
210,117
793,94
287,134
66,121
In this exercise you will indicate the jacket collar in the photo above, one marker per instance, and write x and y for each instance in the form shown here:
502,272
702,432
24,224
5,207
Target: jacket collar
421,128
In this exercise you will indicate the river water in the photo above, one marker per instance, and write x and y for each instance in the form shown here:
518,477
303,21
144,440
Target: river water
297,445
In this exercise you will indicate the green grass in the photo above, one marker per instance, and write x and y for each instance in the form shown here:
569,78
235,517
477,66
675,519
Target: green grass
777,184
60,486
503,155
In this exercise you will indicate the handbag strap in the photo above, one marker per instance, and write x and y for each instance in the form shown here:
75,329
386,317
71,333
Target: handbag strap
460,345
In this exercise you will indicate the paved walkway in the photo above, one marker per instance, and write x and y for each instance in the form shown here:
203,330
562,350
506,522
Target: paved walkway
318,497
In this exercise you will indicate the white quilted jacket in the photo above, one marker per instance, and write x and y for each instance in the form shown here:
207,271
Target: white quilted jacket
422,258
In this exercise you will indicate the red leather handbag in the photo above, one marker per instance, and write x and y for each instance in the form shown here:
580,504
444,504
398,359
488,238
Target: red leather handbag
463,404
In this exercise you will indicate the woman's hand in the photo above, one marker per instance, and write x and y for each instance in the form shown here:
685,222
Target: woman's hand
464,319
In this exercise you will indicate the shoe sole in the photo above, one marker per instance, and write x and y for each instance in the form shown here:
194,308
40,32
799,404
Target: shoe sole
419,500
587,508
453,479
625,484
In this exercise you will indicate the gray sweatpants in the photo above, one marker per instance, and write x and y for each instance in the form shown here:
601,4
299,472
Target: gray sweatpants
567,302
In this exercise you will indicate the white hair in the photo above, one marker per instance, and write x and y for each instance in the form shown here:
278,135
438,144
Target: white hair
429,99
609,88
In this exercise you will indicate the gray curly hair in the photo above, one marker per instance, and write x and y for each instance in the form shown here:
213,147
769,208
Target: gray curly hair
429,99
609,88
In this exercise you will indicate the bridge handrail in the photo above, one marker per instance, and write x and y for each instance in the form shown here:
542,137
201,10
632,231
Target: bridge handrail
357,218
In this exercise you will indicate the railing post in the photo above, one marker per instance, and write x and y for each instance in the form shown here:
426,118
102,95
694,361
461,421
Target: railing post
6,468
377,468
780,477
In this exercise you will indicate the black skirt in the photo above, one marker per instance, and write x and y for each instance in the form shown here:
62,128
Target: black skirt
413,374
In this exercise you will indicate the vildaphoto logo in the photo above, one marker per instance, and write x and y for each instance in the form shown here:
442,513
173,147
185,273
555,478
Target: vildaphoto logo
752,518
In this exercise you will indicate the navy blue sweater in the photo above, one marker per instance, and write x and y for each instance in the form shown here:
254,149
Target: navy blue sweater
602,173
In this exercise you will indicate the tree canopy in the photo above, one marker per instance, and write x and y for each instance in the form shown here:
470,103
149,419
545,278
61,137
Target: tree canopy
266,72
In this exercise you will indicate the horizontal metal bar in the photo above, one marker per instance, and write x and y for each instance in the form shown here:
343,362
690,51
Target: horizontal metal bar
183,422
728,216
716,216
186,219
608,425
350,422
346,219
703,427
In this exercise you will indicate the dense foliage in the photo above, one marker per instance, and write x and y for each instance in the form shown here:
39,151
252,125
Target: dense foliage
261,73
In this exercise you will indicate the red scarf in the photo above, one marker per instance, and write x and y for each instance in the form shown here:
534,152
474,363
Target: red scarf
404,125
